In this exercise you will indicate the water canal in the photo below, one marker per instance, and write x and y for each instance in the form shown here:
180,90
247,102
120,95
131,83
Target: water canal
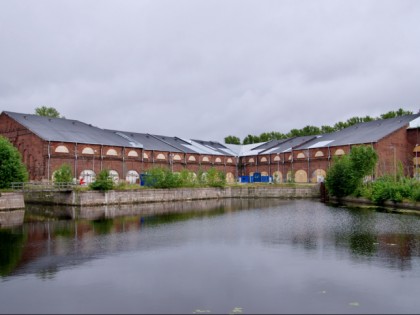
220,256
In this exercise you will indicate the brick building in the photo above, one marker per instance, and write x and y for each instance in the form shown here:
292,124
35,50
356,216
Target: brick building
47,143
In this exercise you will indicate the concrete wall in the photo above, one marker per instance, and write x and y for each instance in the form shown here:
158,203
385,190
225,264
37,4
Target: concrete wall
11,209
10,201
90,198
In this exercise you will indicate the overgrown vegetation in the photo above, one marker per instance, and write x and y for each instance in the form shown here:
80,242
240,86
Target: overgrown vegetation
103,181
348,171
164,178
312,130
63,174
345,177
12,168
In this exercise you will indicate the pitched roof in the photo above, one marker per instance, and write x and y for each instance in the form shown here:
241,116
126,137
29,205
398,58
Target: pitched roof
68,130
368,132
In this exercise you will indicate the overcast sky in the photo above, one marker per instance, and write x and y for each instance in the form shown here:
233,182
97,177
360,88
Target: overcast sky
208,69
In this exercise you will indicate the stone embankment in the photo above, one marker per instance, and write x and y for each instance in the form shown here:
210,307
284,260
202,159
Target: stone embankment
11,209
92,198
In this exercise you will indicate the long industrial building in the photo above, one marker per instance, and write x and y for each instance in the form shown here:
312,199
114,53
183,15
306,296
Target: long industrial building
48,143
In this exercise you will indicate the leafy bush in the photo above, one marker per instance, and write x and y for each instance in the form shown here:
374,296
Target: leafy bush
63,174
162,178
215,178
103,181
347,172
11,167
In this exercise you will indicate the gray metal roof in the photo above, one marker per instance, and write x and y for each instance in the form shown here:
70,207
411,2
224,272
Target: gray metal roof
149,141
369,132
216,148
68,130
287,145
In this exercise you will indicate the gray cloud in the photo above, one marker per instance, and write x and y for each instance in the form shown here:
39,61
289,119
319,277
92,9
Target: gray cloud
207,69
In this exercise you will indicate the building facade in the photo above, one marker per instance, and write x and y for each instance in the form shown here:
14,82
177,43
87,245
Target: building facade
47,143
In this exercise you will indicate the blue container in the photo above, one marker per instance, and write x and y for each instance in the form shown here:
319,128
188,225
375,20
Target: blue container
257,178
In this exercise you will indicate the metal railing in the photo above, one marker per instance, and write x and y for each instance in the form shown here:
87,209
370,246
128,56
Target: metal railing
43,186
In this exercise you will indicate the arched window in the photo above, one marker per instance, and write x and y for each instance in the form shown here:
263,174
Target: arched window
218,160
276,158
86,177
133,153
145,156
114,175
301,176
251,160
160,156
319,154
61,149
263,159
229,161
205,159
339,152
300,155
191,158
132,177
88,150
177,157
111,152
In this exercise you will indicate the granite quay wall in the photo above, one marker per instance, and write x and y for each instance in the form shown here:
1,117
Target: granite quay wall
91,198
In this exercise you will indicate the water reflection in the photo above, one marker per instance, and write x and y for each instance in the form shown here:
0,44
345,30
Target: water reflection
214,253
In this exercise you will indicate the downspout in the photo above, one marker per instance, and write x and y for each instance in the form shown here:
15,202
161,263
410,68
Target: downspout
102,157
309,170
284,177
75,161
49,158
123,161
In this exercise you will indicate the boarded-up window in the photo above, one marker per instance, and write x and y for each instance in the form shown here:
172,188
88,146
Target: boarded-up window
111,152
133,153
87,150
61,149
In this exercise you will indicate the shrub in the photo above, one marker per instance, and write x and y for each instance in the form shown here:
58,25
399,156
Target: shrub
103,181
63,174
162,178
215,178
11,167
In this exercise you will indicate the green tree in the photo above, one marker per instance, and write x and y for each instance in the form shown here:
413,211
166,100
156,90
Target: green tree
393,114
47,112
11,167
347,172
232,140
63,174
249,139
103,181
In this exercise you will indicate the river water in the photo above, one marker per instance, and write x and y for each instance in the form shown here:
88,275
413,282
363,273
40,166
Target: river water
217,256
